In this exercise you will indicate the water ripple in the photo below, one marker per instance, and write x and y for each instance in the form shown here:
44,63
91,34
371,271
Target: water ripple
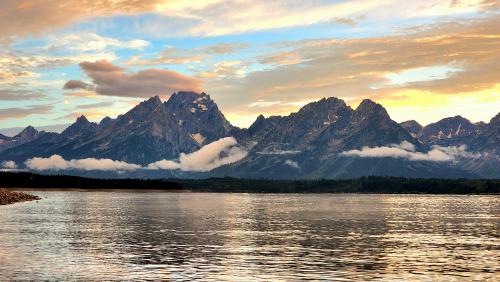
250,237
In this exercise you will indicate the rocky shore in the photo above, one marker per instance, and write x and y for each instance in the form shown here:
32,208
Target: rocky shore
10,197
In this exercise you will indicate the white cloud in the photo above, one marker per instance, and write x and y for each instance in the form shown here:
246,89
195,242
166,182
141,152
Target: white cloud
249,16
17,66
292,164
56,162
92,42
9,165
279,152
164,164
406,150
221,152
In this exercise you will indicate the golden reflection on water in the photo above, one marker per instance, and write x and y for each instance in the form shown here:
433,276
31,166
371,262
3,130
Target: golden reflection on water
249,237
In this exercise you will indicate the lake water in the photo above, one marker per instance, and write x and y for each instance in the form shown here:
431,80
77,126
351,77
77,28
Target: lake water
250,237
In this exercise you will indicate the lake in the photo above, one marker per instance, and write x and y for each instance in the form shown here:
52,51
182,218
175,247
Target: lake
250,237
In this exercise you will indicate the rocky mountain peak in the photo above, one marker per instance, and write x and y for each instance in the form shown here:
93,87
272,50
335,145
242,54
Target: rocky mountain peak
191,102
82,119
412,126
28,133
372,113
314,137
457,119
195,111
447,129
369,106
144,111
81,126
495,120
186,96
3,137
258,124
331,104
105,122
151,103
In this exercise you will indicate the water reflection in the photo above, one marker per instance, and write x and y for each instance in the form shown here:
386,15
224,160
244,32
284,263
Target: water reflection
123,236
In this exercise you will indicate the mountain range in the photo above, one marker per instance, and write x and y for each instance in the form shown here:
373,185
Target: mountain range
324,139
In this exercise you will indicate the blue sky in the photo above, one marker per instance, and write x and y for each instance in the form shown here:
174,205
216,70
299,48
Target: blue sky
271,57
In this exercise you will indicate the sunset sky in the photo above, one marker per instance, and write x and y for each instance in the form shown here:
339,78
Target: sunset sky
422,60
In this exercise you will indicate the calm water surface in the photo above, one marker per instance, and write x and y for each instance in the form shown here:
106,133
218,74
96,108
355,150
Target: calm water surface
250,237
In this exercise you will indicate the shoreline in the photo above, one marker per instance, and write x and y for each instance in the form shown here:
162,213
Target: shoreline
149,190
110,190
9,197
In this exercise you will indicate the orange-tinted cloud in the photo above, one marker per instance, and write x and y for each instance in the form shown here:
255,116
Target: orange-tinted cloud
19,18
18,95
24,17
77,84
111,80
16,113
356,68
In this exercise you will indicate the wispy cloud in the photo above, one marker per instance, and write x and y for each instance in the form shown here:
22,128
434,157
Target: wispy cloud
461,54
16,67
19,95
95,105
175,56
203,18
170,56
22,18
78,84
16,113
86,42
224,48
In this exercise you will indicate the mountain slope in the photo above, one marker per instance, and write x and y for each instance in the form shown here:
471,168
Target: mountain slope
413,127
149,132
449,131
310,143
26,135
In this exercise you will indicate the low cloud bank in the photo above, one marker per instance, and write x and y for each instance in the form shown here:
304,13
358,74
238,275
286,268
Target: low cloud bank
406,150
56,162
218,153
9,165
221,152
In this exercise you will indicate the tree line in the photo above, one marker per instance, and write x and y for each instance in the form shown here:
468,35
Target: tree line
369,184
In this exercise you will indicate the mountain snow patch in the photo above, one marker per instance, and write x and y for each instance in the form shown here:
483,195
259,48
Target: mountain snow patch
198,138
